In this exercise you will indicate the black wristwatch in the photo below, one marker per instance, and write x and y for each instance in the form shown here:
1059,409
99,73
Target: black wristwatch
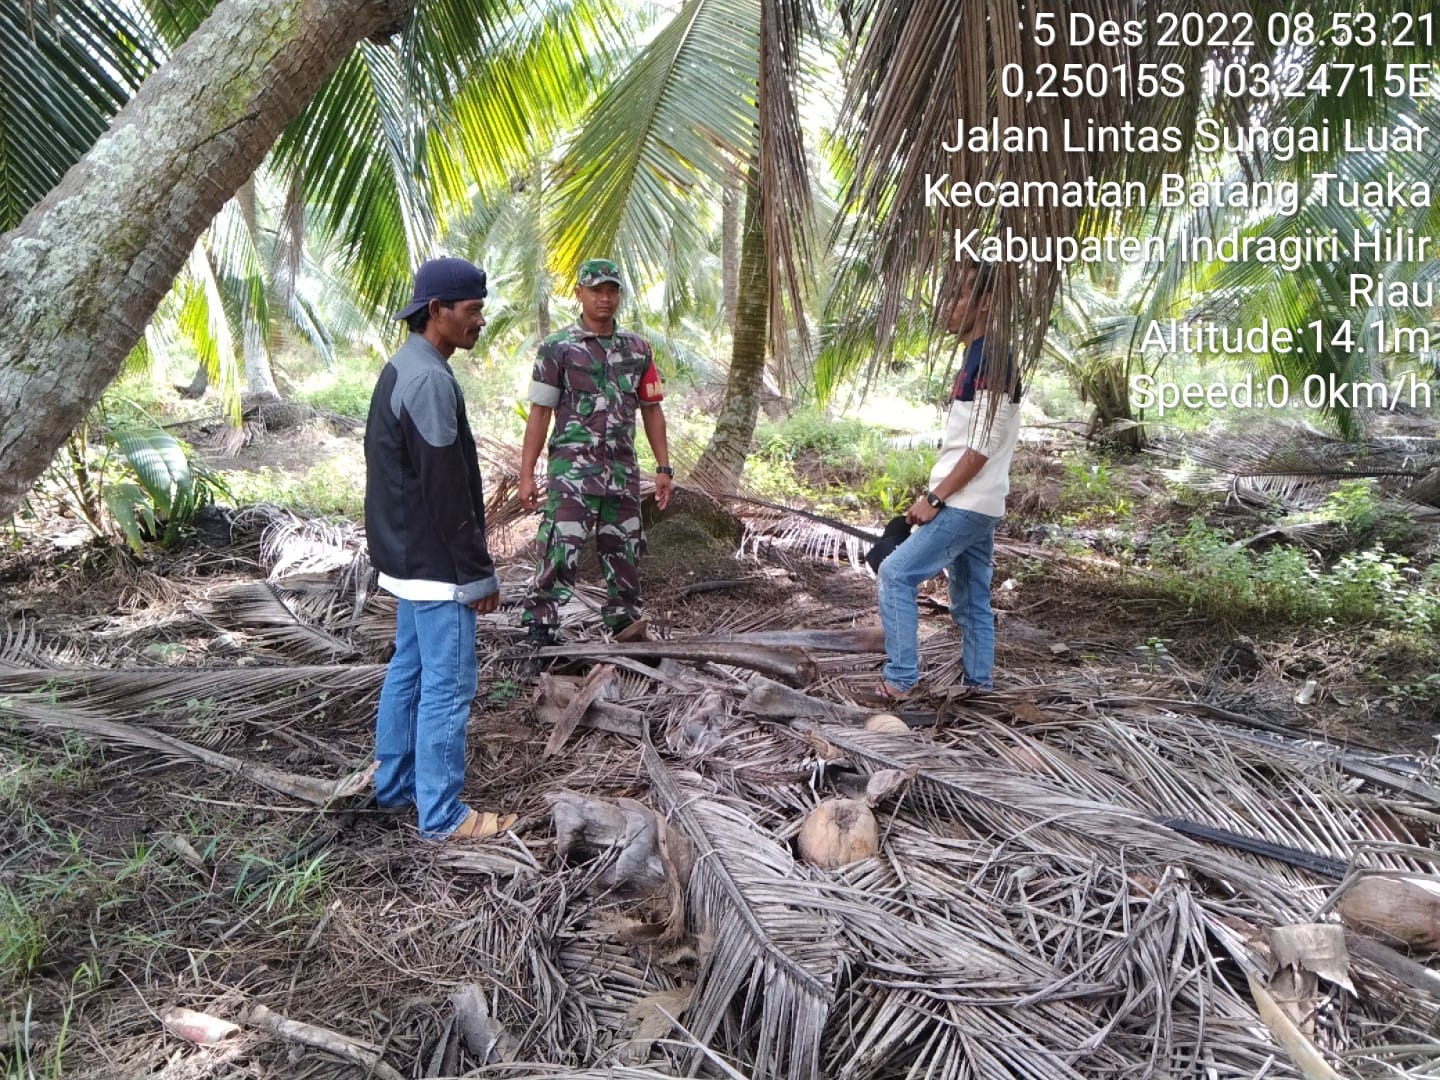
934,500
666,470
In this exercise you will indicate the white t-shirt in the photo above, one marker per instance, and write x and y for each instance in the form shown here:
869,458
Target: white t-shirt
965,429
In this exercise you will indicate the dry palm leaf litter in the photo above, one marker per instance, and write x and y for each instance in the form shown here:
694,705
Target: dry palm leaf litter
1094,872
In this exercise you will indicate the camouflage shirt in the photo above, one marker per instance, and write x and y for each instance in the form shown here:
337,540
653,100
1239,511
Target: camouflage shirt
595,384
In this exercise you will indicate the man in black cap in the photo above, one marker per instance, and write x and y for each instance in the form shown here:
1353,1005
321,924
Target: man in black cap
425,524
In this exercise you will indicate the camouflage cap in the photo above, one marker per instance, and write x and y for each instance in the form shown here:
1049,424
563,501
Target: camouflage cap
598,271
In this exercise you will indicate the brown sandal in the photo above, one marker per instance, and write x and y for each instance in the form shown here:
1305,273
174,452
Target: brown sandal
885,694
480,825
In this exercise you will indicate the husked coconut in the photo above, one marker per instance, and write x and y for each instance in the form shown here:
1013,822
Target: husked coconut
888,723
1404,909
839,831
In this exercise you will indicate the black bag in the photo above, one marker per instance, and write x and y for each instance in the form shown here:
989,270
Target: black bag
896,530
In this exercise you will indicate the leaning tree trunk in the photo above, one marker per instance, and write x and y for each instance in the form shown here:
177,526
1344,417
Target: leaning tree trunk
83,273
719,466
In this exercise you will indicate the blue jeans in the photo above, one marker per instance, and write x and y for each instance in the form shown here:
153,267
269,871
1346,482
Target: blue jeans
424,708
963,542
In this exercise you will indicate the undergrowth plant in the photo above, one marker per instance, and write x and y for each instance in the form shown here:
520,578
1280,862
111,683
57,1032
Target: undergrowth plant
1358,507
1093,490
328,488
1214,576
842,463
138,481
169,489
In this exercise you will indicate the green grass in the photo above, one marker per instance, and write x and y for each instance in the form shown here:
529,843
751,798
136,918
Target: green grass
333,488
491,387
343,388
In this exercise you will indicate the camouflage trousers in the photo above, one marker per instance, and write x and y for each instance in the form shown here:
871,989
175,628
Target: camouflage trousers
619,541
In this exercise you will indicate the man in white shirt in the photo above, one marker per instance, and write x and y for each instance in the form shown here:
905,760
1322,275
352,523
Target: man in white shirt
956,517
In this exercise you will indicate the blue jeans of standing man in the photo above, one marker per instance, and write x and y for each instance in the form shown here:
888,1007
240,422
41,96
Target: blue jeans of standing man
963,542
424,708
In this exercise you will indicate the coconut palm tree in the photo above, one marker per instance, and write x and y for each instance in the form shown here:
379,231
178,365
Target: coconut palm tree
89,264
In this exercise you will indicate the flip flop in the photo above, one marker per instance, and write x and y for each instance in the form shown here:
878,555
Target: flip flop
886,694
480,825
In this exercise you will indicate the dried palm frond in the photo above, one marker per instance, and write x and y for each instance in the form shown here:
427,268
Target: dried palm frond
1303,452
1271,791
308,546
770,977
20,643
961,792
41,715
161,695
1065,964
740,756
1297,466
262,610
811,539
519,1070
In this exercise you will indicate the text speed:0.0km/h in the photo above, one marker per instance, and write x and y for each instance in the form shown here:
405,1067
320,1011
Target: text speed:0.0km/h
1093,81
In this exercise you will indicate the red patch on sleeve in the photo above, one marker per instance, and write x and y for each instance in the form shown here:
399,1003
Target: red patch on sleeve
651,389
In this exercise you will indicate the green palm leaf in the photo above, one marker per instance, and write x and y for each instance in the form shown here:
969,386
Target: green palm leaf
203,323
348,152
391,147
160,464
509,79
682,116
66,67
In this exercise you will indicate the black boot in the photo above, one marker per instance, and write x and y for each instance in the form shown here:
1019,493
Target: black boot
540,636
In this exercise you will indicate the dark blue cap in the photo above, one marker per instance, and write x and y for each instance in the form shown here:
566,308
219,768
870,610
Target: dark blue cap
444,279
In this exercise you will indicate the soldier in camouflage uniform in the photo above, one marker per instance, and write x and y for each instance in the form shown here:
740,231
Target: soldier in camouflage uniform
592,378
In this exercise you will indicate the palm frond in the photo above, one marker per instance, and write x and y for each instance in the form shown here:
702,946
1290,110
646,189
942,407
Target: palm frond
682,115
176,20
260,608
1305,454
34,711
1036,810
355,154
798,532
20,643
783,174
783,965
66,68
204,323
510,77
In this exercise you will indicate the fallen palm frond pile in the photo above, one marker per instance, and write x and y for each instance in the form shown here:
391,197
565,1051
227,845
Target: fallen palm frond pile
1068,881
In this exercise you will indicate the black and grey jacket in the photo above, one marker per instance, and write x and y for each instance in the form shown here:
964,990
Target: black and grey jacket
424,508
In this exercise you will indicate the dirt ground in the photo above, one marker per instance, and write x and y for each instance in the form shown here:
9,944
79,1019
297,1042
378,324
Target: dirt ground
145,878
